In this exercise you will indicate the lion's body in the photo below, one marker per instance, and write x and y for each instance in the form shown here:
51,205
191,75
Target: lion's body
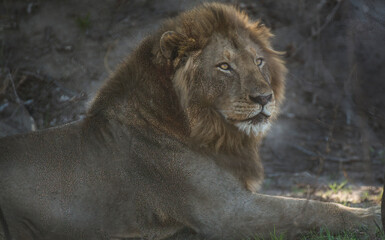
169,143
69,191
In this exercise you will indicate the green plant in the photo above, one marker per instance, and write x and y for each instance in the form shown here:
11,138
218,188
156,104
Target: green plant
335,187
345,203
274,236
325,234
297,190
83,22
364,196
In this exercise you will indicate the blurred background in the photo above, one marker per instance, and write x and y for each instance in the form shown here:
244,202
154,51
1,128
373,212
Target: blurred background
329,141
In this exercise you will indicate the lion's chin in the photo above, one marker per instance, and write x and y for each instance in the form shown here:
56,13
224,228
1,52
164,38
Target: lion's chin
253,129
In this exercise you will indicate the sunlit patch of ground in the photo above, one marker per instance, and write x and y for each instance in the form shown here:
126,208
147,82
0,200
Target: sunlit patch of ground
323,189
352,194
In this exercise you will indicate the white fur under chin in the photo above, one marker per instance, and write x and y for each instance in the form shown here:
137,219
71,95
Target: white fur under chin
253,129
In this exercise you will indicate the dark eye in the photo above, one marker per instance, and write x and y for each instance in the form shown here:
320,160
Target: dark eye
259,61
224,66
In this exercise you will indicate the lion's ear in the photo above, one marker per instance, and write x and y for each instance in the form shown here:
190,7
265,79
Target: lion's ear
261,30
170,43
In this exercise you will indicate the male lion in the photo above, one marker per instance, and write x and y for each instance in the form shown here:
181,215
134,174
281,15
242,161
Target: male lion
168,144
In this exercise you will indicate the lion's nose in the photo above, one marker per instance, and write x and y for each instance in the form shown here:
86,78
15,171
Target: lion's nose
261,99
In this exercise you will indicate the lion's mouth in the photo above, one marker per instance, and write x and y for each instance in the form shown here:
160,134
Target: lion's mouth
256,119
260,117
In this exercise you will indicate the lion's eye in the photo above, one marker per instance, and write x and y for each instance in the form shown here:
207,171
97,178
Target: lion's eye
224,66
259,61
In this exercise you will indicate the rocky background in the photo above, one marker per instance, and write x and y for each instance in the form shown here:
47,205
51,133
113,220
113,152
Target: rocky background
329,142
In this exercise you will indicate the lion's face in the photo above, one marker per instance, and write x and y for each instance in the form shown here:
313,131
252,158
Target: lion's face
232,72
245,98
232,77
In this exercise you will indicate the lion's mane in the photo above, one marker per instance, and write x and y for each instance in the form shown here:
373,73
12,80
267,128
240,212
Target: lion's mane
143,90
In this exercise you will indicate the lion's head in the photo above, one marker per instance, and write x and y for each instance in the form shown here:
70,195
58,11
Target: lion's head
209,75
209,78
227,76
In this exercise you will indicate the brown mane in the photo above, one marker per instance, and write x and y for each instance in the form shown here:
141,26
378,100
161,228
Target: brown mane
142,92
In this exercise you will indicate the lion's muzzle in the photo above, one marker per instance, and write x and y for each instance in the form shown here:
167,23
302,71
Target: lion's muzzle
261,99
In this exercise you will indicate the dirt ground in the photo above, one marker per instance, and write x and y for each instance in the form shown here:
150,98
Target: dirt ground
329,141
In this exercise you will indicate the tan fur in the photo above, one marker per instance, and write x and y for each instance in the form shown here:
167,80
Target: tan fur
170,142
193,120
